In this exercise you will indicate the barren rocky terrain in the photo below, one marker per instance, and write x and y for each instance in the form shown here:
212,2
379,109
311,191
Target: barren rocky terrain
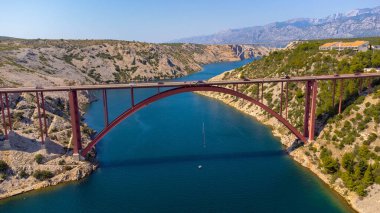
25,164
56,62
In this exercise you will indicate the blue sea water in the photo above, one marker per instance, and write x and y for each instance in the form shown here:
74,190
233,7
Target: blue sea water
150,163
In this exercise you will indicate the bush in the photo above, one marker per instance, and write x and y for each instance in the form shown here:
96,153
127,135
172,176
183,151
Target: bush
43,175
371,138
61,162
377,149
348,162
3,166
23,174
39,158
329,164
68,168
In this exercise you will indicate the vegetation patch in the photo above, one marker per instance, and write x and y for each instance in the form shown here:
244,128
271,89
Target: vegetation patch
42,175
39,158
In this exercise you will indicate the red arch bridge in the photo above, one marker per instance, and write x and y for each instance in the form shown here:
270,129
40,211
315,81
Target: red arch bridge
171,88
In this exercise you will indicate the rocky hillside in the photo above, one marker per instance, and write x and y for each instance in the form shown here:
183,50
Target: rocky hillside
346,152
25,164
356,23
60,62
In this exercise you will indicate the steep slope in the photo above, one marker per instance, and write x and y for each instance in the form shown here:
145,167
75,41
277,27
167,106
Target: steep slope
346,152
55,62
27,165
357,23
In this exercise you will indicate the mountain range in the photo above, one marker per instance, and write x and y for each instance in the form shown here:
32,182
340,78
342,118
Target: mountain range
356,23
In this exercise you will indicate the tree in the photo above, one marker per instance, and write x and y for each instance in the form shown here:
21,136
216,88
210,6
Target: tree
348,162
330,165
368,178
364,152
347,180
360,190
43,175
3,166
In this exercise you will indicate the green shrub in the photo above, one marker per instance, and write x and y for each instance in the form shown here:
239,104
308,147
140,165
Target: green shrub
39,158
43,175
377,148
23,174
62,162
3,166
371,138
348,162
68,168
329,164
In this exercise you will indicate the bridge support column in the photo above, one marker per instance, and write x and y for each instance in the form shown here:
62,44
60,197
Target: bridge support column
258,92
286,100
311,92
333,96
39,118
307,108
75,123
105,107
44,114
132,97
313,110
3,117
8,112
281,94
341,96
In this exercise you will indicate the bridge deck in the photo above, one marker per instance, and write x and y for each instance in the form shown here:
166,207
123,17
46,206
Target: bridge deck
188,83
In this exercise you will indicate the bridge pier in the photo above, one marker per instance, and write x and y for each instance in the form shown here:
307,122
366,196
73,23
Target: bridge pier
258,92
75,123
105,107
3,117
307,109
333,96
39,118
132,97
311,92
286,100
7,141
8,111
341,96
313,110
281,94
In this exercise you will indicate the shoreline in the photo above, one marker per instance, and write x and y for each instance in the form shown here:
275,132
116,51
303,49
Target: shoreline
298,155
14,186
79,170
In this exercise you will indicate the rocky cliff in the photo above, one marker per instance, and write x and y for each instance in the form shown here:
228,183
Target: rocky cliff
345,154
60,62
25,164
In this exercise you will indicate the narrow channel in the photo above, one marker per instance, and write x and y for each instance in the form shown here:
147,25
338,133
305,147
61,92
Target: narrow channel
186,153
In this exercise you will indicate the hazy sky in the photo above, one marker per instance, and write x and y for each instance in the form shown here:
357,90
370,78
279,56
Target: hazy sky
154,20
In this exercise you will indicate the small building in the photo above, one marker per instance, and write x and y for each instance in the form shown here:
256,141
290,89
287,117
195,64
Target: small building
328,46
355,45
376,47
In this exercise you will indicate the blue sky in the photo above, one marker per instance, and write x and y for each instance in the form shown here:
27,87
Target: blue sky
154,20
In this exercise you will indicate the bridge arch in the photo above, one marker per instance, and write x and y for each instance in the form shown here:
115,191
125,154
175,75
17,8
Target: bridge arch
184,89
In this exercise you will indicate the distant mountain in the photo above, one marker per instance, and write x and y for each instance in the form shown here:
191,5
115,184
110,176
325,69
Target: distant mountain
3,38
356,23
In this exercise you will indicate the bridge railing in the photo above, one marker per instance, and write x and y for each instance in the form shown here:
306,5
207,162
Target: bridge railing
311,92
